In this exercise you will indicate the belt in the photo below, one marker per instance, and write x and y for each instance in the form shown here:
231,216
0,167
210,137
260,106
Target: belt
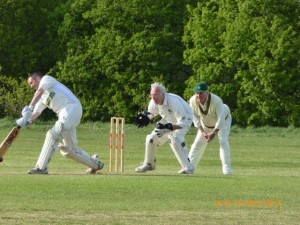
213,126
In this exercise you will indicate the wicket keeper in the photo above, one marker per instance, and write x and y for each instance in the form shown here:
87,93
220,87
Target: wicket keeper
176,119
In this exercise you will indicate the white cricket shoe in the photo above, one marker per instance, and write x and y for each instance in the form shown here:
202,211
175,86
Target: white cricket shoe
100,165
227,170
144,168
37,171
186,171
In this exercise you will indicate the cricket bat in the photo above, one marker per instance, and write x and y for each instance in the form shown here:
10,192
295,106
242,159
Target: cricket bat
8,141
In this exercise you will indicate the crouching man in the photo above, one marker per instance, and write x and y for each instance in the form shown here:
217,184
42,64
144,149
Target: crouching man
213,120
176,119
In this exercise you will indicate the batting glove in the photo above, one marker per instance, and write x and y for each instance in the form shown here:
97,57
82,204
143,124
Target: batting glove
27,112
23,123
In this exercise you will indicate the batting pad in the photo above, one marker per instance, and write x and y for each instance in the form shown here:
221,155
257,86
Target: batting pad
79,155
49,147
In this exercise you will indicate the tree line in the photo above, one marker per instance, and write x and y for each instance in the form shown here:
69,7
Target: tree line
109,52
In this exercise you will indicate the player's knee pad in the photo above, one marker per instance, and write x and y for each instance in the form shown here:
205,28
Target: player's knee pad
56,131
150,151
53,137
152,139
79,155
70,152
50,145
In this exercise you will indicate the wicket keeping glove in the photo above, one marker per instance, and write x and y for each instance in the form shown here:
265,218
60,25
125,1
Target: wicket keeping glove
162,129
142,119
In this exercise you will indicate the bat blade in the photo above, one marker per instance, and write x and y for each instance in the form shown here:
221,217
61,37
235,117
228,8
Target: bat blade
7,142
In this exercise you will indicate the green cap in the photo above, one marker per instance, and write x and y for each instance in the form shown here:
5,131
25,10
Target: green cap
200,88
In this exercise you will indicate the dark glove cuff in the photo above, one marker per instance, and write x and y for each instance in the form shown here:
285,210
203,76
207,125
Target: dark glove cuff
169,126
146,113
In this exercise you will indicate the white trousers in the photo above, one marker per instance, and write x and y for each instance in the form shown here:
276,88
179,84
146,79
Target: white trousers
176,140
200,144
70,118
65,130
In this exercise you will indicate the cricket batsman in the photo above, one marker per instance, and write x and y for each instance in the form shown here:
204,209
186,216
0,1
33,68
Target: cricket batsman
63,135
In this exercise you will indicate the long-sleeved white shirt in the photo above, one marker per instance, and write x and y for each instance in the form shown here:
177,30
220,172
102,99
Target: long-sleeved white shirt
56,95
174,110
213,114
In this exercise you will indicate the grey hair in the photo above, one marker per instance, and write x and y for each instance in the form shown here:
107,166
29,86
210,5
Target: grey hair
160,86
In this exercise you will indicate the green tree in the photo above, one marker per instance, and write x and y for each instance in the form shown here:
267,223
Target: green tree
268,72
249,52
12,93
117,48
28,35
203,37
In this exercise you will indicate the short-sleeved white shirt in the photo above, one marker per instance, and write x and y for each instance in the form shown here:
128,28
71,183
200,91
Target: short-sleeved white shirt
56,95
174,110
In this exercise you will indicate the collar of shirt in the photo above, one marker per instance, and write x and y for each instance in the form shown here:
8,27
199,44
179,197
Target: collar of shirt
165,99
204,105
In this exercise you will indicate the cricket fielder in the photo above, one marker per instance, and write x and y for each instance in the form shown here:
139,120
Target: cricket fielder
56,96
176,119
212,118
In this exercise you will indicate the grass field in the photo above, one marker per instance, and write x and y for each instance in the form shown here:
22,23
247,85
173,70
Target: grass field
263,190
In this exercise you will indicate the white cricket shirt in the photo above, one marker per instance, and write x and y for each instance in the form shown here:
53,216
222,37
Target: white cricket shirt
212,115
174,110
56,95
